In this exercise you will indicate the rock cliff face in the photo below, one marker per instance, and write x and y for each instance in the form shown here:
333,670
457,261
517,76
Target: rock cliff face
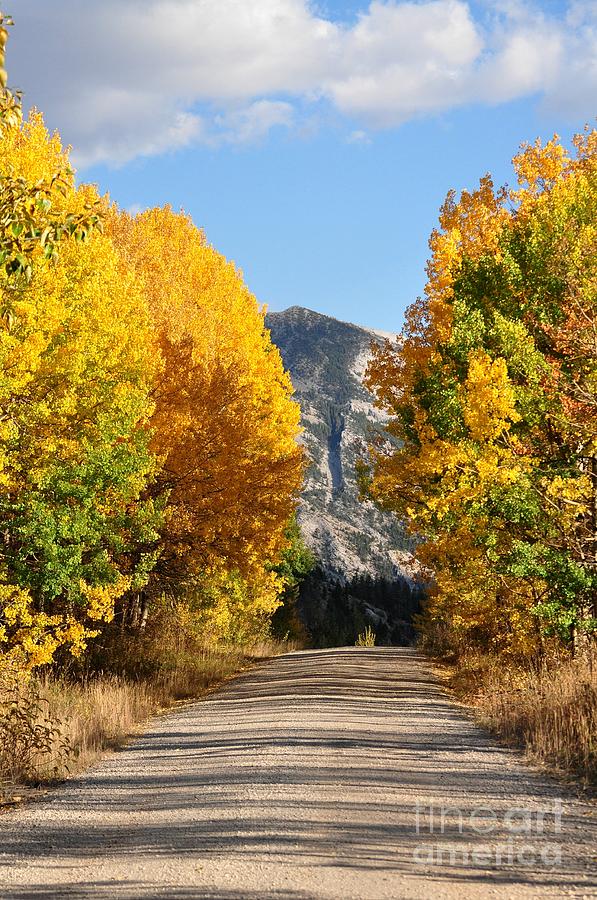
327,359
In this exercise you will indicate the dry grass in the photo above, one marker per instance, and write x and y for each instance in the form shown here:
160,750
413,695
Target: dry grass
89,716
551,711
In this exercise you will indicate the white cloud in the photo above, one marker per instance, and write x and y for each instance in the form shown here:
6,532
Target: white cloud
405,59
125,78
575,88
141,131
253,122
523,65
359,137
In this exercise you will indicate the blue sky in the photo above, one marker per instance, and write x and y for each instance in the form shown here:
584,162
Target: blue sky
314,143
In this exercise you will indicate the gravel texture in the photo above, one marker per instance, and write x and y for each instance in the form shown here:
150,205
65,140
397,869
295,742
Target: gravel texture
300,779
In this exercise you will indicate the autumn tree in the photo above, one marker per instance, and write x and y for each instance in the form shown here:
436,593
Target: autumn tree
224,425
492,396
75,376
145,416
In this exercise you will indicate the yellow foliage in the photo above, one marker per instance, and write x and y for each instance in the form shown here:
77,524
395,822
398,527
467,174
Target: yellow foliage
100,599
29,638
136,373
225,425
489,397
491,389
76,368
539,166
223,608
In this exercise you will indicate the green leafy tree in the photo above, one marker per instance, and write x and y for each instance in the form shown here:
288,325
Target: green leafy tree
296,563
492,397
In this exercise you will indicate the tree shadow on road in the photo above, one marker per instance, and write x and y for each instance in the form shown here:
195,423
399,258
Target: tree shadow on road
318,760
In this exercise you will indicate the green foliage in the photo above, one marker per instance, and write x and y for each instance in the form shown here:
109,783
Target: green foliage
115,388
30,223
496,419
296,560
296,564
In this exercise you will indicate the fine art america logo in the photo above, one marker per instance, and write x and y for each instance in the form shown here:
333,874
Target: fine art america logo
483,836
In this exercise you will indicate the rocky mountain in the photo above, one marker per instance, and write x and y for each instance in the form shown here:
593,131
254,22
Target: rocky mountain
327,359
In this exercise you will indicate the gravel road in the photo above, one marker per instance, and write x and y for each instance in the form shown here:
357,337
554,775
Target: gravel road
315,775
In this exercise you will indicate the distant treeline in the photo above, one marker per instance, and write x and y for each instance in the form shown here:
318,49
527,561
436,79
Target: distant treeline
335,611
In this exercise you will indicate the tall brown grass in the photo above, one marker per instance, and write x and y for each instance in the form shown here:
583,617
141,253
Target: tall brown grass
549,710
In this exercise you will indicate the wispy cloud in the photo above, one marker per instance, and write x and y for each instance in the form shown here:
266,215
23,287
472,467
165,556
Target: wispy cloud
252,122
141,77
359,137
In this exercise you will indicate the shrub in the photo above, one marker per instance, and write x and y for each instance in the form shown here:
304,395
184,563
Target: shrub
366,638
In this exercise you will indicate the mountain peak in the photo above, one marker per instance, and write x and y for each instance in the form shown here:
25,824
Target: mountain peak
312,317
326,359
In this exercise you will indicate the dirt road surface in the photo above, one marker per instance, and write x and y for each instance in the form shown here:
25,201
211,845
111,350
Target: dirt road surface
321,774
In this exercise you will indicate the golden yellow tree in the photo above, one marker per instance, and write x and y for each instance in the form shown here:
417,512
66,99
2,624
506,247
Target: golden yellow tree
225,425
76,367
491,393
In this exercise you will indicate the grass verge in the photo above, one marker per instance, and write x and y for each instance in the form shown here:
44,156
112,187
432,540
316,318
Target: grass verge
60,726
549,711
